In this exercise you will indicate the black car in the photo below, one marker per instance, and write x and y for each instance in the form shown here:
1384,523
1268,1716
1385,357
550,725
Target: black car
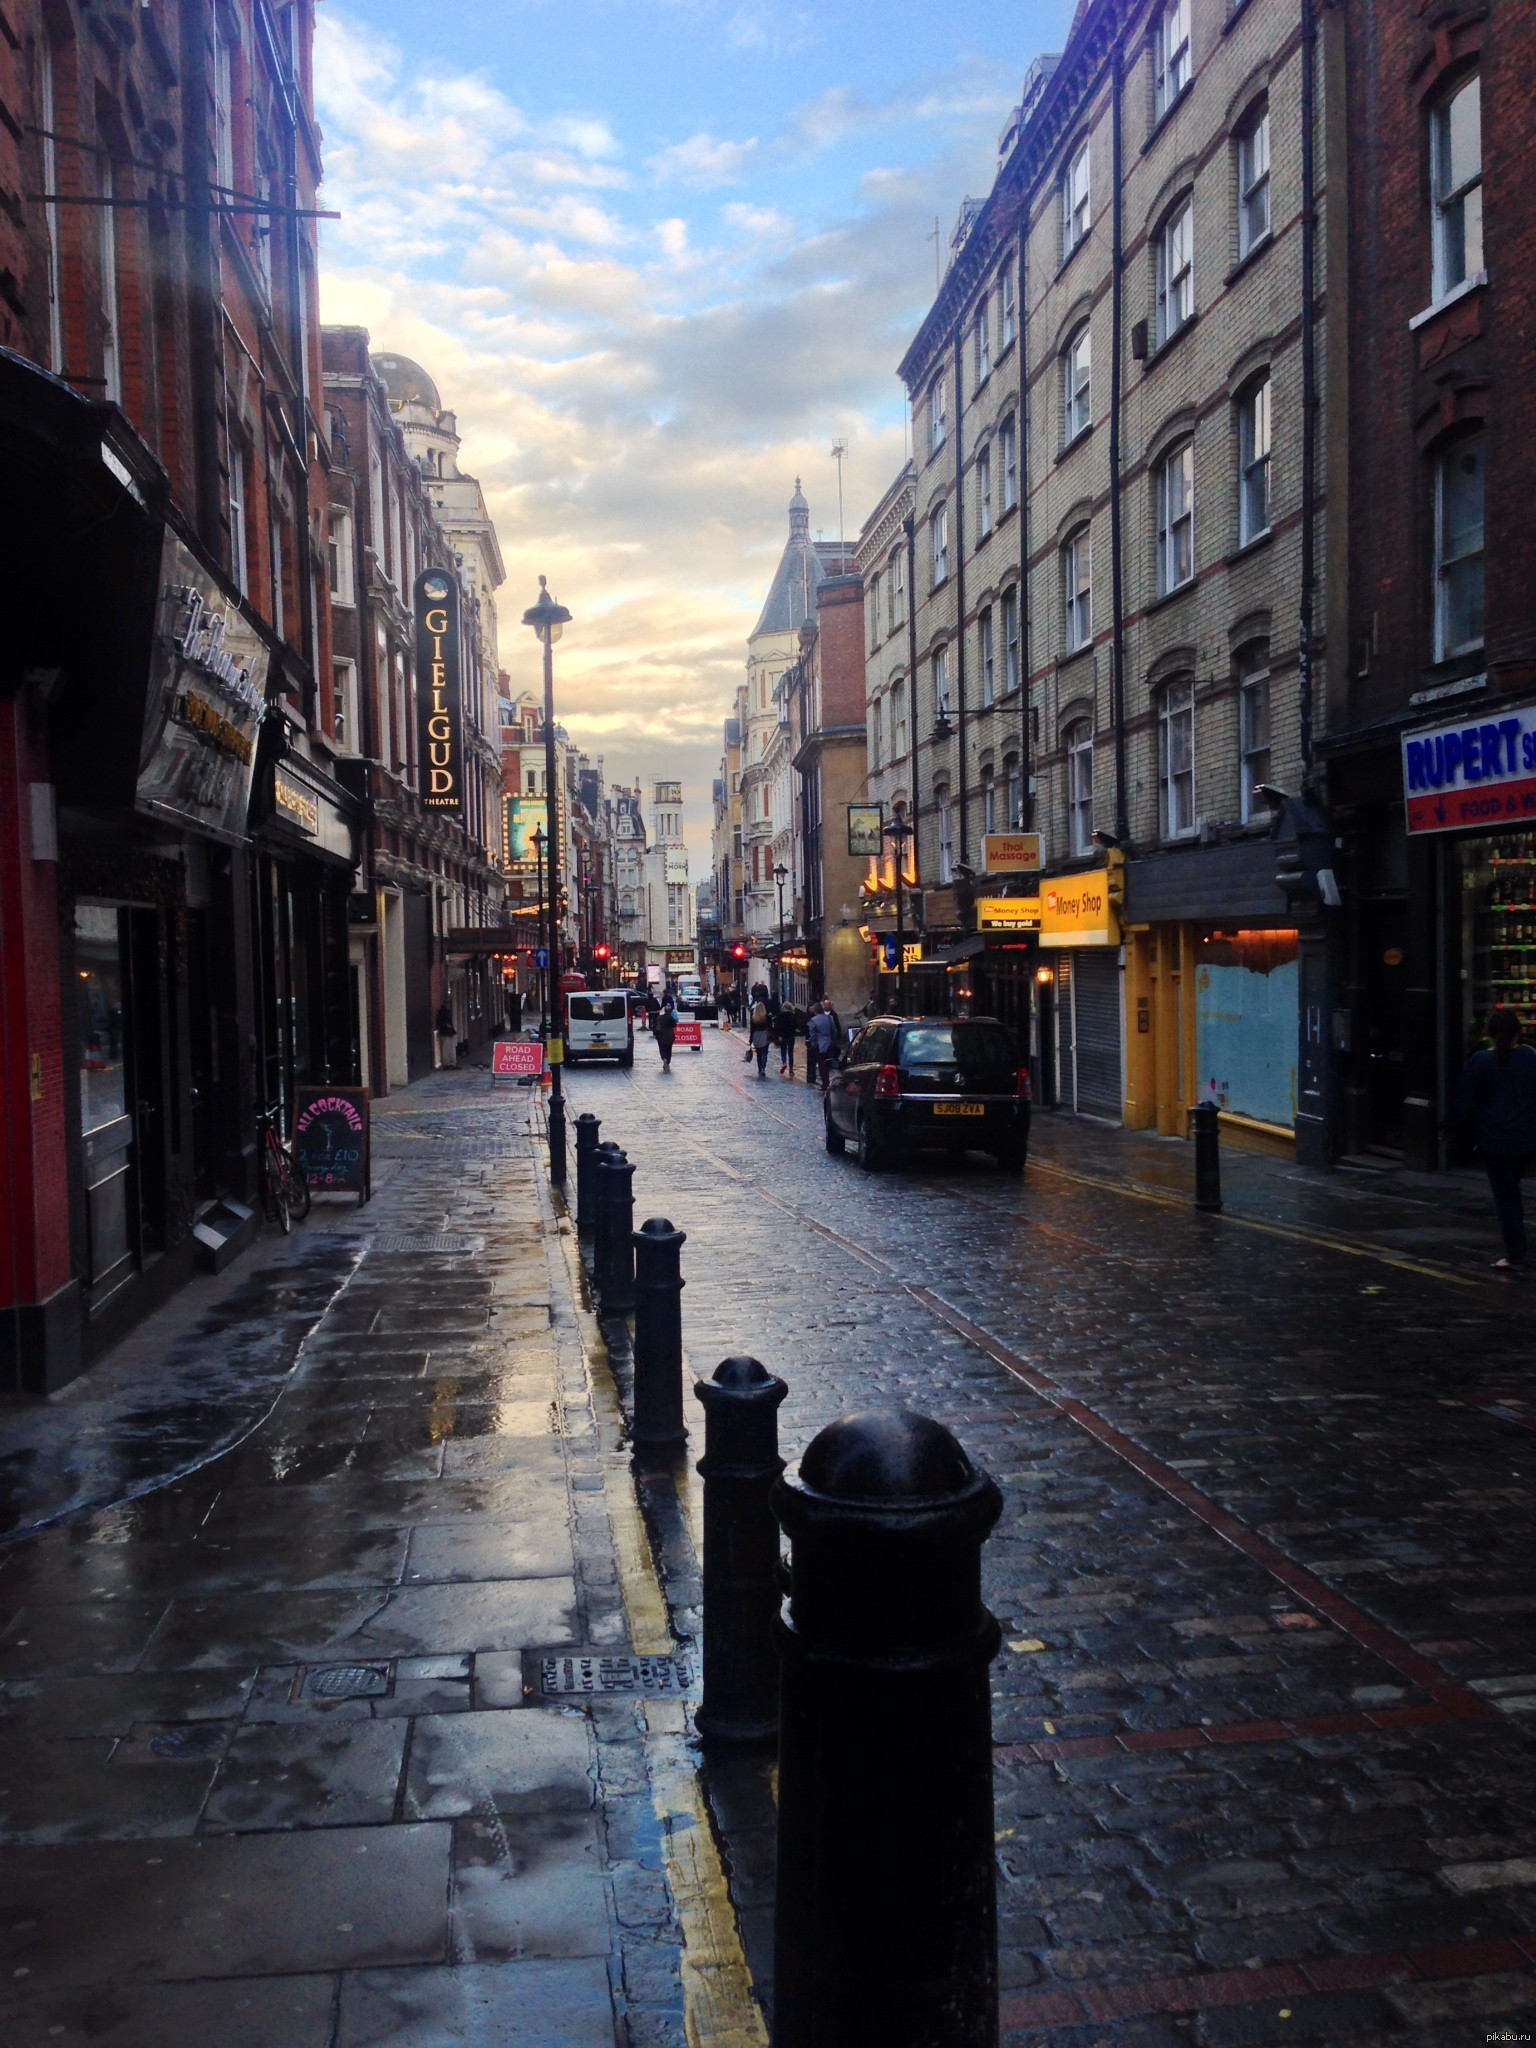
911,1084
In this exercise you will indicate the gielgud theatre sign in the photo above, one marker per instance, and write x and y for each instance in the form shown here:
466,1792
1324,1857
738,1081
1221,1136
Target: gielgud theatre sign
440,742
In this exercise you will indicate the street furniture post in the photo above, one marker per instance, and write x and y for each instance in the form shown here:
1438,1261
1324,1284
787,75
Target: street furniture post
658,1425
587,1128
1207,1156
616,1215
741,1551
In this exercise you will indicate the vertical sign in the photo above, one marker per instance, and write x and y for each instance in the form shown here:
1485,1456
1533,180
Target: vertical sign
440,743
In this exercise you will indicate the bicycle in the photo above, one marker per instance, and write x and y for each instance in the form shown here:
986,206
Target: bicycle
285,1191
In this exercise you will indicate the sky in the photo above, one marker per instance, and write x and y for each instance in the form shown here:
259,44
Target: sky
657,255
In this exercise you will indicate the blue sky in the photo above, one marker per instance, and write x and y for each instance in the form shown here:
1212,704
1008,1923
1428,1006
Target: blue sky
658,255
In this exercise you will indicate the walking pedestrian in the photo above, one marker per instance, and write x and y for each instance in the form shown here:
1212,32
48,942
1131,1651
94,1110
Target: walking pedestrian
514,1010
821,1044
664,1030
786,1027
447,1037
1498,1089
760,1037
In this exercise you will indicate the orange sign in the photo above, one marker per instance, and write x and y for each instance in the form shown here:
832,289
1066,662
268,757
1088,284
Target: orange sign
1012,853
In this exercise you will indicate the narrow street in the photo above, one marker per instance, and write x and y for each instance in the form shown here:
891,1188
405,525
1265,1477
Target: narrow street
1263,1712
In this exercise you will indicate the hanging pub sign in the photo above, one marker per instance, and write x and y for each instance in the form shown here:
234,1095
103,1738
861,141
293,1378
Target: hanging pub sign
440,741
866,823
207,697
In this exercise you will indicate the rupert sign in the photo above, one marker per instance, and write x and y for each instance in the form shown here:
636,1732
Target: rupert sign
440,741
1481,773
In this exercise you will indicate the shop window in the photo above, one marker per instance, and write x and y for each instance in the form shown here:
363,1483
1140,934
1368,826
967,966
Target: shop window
1077,591
1459,549
105,1121
1176,519
1077,385
1253,181
1175,271
1456,180
1498,932
1253,719
1253,461
1080,786
1172,67
1176,759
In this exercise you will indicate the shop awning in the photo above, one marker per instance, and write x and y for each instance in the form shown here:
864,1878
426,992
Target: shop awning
965,949
480,941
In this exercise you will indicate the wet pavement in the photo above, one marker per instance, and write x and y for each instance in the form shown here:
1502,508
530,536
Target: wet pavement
277,1764
1265,1705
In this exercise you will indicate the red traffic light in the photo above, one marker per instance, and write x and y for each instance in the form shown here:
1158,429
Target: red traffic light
600,952
738,952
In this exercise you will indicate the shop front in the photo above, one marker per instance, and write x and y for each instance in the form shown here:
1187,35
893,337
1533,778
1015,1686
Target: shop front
1078,994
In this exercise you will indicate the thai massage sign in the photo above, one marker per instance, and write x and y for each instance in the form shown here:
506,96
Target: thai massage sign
440,744
1471,774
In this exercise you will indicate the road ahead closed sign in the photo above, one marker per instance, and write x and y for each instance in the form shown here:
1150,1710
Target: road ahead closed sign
1471,774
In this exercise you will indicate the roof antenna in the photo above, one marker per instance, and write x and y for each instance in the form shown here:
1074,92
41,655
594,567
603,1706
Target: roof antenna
839,450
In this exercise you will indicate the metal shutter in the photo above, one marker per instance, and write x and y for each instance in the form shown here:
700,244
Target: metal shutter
1096,1001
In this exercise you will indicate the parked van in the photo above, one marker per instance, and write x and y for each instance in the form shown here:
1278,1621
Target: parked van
599,1025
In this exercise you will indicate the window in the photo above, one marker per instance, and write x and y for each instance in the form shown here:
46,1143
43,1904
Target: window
941,684
1013,787
1008,455
223,114
1080,786
1176,519
1077,386
896,587
984,655
938,414
1459,549
938,528
1175,271
261,228
1176,759
50,154
275,546
239,558
1253,182
898,721
946,845
876,731
983,332
1171,62
1253,462
111,351
983,494
1253,722
344,706
339,551
1077,591
1010,641
1006,316
1456,177
872,607
1074,201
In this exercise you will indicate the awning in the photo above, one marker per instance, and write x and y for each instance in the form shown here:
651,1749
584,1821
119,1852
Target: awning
480,941
966,949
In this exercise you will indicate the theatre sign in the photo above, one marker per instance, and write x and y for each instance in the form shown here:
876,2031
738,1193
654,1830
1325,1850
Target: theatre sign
440,741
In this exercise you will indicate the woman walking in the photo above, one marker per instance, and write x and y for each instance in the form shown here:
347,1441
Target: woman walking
760,1036
664,1030
1498,1088
785,1029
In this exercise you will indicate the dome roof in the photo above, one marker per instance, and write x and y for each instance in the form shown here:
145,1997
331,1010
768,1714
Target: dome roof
407,383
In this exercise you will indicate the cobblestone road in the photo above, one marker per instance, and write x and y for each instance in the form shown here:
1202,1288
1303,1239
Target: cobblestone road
1265,1704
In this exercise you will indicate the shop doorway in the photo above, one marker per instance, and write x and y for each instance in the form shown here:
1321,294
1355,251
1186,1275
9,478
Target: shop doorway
1383,1047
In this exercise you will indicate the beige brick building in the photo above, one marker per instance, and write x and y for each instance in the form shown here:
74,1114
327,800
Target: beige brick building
1110,398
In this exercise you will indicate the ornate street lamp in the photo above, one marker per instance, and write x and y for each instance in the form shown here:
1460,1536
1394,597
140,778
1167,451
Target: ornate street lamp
781,876
899,832
548,619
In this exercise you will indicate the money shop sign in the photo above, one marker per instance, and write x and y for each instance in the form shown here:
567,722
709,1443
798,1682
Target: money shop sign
440,740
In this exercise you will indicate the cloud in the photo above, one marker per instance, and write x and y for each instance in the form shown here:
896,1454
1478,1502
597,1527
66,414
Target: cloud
639,371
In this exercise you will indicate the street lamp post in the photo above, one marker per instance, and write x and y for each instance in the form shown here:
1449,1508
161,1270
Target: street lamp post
538,861
781,876
899,832
547,619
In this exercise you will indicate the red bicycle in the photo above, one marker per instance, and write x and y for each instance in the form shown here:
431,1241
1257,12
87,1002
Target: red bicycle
284,1190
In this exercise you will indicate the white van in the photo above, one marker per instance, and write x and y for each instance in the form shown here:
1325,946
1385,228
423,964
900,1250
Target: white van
599,1025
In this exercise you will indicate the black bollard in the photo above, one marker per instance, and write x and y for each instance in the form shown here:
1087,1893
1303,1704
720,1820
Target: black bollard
556,1134
615,1221
1207,1156
659,1284
741,1551
602,1227
885,1928
587,1128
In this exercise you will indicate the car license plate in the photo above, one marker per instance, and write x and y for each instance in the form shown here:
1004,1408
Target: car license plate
959,1109
598,1039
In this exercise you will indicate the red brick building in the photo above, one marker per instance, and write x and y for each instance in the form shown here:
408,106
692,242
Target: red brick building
1437,612
175,854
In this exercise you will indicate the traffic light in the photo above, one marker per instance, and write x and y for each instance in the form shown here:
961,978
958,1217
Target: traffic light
738,951
600,952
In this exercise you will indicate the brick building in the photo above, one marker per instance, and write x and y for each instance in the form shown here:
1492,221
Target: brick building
1431,748
175,852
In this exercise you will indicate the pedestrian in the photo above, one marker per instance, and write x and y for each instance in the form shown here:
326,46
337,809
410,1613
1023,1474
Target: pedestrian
786,1027
760,1037
652,1009
821,1044
664,1030
1498,1089
447,1037
514,1010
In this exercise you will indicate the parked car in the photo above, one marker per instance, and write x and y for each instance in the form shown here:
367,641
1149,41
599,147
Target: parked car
914,1084
693,997
599,1024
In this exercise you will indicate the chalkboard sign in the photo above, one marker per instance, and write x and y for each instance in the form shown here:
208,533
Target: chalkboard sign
330,1140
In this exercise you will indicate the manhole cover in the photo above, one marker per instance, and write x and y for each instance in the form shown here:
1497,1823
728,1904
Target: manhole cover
188,1744
562,1676
347,1682
400,1241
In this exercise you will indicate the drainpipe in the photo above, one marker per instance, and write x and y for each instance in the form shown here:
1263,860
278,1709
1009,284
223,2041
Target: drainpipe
960,582
1116,539
1308,389
1026,795
909,526
203,286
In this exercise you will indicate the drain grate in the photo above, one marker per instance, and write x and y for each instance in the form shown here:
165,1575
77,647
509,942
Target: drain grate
400,1241
562,1677
347,1682
190,1743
